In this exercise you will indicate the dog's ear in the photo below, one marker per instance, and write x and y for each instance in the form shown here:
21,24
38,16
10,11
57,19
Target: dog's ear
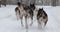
31,4
40,9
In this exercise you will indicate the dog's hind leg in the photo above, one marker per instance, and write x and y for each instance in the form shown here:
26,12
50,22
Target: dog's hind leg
21,21
31,21
26,24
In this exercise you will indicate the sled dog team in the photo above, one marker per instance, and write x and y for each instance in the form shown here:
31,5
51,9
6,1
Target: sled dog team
28,12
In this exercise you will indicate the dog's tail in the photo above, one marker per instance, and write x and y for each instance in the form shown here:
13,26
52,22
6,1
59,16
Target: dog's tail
16,9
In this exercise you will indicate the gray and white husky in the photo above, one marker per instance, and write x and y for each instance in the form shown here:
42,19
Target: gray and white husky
42,18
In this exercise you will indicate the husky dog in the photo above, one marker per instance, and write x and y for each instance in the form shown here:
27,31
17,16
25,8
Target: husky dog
21,12
29,10
33,8
42,18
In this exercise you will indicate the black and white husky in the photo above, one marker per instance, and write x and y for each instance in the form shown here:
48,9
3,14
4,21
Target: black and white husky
30,12
42,18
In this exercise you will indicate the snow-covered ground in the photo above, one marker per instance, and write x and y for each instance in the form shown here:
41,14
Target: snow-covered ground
9,23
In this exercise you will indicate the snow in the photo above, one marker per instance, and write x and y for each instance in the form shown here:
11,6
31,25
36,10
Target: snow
9,23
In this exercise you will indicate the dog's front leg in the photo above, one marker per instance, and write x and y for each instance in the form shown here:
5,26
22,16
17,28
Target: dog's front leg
26,24
45,23
39,24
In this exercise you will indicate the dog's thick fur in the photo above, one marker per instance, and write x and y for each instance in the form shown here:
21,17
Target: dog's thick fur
42,17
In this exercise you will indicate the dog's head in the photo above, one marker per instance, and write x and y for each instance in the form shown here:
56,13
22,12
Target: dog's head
40,11
32,6
18,3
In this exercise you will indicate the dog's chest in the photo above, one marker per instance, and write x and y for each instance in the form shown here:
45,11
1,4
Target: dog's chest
43,17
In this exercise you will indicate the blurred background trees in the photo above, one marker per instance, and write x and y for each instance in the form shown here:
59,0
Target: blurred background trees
37,2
